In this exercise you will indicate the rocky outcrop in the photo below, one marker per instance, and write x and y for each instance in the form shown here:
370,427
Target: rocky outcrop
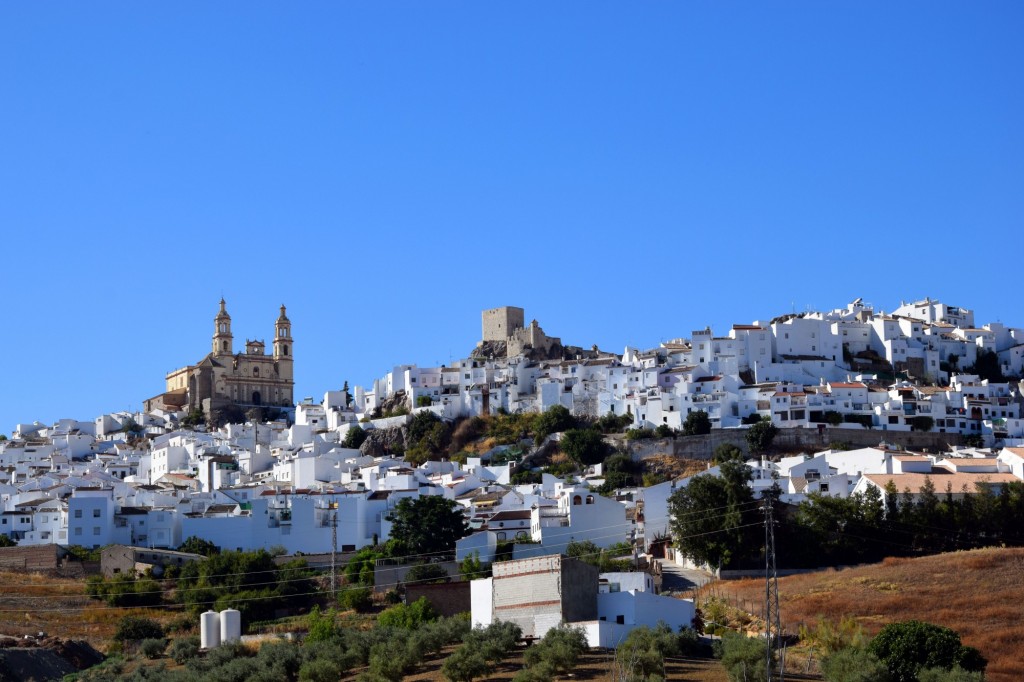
380,442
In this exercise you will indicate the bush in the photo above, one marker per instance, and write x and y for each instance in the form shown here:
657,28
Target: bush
494,642
320,670
907,647
354,437
744,658
558,651
408,616
153,648
358,599
955,674
584,446
184,649
853,665
322,626
135,628
465,665
697,424
427,574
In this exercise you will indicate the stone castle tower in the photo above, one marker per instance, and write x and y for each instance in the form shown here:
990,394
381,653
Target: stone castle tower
226,382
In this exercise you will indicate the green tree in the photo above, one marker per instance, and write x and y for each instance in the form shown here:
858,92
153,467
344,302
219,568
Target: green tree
584,446
6,541
321,627
954,674
744,658
697,424
136,629
555,420
922,422
471,568
354,437
425,574
465,665
853,665
427,525
194,545
760,436
987,366
713,516
833,418
726,452
559,649
408,616
909,646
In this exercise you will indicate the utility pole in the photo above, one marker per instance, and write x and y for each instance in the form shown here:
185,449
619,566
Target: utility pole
772,624
334,554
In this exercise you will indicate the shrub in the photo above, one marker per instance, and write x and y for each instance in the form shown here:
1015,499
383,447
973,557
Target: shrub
465,665
853,665
184,649
392,659
153,648
322,626
135,628
494,642
954,674
320,670
356,598
907,647
427,574
408,616
744,658
558,651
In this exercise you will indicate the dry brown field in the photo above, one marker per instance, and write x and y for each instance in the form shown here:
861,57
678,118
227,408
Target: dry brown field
979,593
36,602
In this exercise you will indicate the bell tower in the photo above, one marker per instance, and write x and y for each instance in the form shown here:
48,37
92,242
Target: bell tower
222,339
283,345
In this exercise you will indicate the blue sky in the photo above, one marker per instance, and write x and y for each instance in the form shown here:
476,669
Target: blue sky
627,172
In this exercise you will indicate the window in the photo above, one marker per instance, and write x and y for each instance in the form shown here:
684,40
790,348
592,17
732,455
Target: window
78,530
78,513
95,513
95,530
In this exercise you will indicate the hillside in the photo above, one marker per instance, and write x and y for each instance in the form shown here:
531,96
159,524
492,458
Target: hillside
977,593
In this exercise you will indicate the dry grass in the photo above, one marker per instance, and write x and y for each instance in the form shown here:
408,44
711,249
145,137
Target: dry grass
34,602
980,594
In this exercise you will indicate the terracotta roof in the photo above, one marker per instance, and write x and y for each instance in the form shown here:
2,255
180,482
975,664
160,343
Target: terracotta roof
854,384
939,478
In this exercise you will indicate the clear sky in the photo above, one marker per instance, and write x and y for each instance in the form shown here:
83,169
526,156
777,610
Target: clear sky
626,172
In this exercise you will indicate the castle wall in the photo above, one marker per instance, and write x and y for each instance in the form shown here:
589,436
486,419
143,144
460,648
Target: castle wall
500,323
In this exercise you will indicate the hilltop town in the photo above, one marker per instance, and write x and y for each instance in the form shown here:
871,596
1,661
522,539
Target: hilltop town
539,444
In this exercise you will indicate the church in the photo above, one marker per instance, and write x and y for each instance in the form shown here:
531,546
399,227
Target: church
225,383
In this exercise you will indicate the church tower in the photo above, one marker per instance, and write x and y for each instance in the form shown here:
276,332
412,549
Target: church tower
222,339
283,345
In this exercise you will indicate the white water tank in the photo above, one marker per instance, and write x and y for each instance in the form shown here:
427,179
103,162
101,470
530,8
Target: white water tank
230,626
209,630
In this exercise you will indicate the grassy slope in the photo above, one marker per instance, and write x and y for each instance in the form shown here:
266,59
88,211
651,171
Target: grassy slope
980,594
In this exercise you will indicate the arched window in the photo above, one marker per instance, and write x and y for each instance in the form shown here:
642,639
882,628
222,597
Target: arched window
256,400
255,371
285,348
224,345
577,500
223,327
590,499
